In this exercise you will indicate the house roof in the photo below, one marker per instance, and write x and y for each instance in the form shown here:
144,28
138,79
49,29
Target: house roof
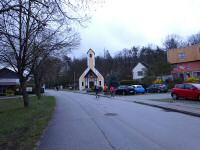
8,74
142,64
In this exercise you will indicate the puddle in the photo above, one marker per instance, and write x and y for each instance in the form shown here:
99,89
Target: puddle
110,114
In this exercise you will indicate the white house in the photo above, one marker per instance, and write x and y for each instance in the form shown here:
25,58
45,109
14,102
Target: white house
91,76
139,71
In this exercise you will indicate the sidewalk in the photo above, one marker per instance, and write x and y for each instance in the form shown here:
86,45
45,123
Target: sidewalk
185,108
13,97
9,97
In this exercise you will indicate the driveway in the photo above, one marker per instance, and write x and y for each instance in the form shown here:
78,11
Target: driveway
82,122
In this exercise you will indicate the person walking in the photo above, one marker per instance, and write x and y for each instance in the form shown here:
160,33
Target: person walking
112,91
57,88
105,89
96,91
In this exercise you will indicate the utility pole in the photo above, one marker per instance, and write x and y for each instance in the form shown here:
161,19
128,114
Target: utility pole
74,80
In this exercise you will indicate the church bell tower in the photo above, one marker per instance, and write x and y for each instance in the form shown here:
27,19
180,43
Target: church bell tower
91,58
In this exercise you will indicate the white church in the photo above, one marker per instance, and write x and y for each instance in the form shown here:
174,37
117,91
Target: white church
91,76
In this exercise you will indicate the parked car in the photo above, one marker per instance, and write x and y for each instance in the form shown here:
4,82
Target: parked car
139,89
186,90
157,88
125,90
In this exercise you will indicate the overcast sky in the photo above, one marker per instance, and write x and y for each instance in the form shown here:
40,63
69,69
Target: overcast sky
125,23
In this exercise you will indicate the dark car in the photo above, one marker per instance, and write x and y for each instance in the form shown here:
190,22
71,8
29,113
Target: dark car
157,88
125,90
186,90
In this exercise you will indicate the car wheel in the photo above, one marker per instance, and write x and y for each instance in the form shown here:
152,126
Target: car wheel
174,96
198,98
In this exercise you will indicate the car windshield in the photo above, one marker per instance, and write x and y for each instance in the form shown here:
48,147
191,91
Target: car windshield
121,87
160,85
139,86
130,87
197,86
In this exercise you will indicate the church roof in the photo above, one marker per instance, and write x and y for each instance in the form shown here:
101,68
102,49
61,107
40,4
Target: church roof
90,50
91,72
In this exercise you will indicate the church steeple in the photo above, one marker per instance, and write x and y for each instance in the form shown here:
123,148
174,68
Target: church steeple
91,58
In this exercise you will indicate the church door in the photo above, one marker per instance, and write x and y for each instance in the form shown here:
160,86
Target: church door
91,84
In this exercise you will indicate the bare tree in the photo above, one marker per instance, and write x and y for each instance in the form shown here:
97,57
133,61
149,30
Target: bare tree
194,39
173,41
6,6
55,45
22,23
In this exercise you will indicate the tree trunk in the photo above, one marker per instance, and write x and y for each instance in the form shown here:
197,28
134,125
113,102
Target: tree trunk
37,90
24,94
37,85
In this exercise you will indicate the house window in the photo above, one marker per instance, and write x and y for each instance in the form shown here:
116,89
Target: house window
90,55
82,83
196,74
99,82
140,73
174,66
181,55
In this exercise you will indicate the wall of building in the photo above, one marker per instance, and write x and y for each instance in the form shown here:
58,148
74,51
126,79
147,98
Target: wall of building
136,69
90,66
179,55
186,69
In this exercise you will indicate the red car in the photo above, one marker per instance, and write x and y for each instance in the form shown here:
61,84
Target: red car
186,90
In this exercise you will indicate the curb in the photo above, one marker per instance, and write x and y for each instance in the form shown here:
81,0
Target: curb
170,109
93,94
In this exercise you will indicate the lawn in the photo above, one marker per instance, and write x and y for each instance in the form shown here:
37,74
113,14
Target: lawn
20,128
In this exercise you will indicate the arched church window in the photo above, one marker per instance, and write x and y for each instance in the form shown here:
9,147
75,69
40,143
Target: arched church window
90,55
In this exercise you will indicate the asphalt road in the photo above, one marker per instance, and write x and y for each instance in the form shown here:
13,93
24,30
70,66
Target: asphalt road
81,122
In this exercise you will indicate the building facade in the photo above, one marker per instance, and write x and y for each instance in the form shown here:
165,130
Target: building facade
8,81
91,76
138,71
185,62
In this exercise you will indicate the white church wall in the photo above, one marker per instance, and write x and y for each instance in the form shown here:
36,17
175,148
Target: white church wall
90,66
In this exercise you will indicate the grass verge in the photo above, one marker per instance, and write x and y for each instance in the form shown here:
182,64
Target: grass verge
20,128
170,100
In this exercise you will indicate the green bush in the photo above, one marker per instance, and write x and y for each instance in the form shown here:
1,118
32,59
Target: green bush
178,80
146,81
171,84
158,81
100,89
10,92
192,80
129,82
